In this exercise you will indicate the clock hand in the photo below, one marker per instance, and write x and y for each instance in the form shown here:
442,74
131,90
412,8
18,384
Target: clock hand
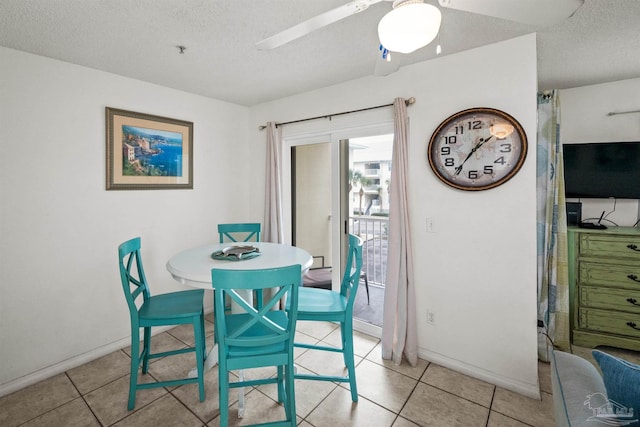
459,168
473,150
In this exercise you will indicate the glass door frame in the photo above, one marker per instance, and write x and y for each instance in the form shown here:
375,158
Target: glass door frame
287,192
337,197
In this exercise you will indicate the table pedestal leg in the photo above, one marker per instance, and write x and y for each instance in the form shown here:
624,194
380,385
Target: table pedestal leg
241,396
212,357
210,362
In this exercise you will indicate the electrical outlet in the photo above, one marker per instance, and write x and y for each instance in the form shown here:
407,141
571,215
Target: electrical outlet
431,317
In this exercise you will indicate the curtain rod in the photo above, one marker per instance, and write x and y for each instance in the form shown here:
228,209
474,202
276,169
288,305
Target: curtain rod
407,102
615,113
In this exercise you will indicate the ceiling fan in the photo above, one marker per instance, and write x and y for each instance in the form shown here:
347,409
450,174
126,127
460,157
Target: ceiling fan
426,17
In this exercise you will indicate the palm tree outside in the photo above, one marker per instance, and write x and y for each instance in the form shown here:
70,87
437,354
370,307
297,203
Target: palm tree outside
356,178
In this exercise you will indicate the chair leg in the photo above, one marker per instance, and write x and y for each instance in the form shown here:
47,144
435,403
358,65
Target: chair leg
198,332
366,285
347,340
290,393
135,363
146,349
281,386
204,337
223,388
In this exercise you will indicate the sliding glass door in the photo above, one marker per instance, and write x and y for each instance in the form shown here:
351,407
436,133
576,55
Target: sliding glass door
339,185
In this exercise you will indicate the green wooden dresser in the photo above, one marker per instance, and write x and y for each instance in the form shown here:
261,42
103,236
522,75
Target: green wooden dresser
604,278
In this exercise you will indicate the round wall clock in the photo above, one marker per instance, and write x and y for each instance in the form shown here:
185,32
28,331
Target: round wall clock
477,149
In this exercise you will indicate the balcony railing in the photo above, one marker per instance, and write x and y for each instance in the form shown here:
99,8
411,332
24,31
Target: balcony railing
374,232
372,172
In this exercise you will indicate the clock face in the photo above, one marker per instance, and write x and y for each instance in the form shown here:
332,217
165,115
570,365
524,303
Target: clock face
477,149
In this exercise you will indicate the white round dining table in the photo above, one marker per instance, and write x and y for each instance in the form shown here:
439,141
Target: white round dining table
193,266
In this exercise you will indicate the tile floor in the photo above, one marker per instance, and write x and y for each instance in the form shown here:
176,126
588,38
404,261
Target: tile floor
95,394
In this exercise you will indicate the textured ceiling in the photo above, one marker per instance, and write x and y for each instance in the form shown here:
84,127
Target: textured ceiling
138,39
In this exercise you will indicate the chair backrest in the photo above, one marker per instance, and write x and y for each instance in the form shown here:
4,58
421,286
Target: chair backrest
241,232
283,282
134,282
353,267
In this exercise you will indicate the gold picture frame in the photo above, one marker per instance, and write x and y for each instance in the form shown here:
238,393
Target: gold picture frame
147,152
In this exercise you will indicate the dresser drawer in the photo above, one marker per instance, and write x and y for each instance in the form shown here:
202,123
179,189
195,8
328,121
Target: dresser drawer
613,322
610,273
610,246
613,299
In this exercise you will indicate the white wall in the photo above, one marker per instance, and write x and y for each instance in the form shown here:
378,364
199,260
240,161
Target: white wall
584,118
61,300
477,271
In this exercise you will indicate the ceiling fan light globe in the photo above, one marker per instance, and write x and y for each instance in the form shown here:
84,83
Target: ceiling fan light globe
408,27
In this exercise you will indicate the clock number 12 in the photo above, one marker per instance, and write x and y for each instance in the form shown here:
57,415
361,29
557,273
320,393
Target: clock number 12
474,124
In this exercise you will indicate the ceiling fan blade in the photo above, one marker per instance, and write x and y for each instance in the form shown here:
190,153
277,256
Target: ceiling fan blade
312,24
534,12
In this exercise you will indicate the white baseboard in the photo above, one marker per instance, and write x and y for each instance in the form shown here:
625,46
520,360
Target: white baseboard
73,362
525,389
58,368
367,328
65,365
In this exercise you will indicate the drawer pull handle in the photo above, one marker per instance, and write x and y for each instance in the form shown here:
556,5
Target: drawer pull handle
633,325
633,301
633,277
633,248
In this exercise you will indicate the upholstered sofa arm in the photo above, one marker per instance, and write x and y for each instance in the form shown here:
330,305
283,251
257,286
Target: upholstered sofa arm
575,383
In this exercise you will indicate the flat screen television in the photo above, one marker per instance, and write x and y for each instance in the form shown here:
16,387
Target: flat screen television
602,170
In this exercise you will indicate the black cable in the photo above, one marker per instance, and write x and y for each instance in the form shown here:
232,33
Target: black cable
604,219
542,330
615,202
548,338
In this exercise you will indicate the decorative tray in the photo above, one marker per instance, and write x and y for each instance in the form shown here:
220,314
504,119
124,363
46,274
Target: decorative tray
236,253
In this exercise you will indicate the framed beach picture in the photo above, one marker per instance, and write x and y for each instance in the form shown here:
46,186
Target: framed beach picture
146,152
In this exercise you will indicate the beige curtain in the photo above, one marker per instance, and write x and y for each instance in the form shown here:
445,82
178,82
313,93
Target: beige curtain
399,334
273,227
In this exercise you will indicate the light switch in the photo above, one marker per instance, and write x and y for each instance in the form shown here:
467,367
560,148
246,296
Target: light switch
430,225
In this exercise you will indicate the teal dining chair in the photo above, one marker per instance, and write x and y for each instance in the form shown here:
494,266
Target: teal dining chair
239,232
317,304
175,308
256,337
320,277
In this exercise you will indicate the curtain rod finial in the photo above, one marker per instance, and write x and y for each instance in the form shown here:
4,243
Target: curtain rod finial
410,101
